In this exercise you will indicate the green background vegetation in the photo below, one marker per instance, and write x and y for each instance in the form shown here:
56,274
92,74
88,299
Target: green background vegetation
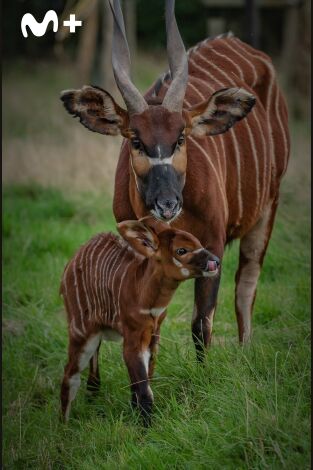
246,408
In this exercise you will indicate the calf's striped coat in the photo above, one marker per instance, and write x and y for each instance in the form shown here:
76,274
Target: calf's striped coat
117,287
205,149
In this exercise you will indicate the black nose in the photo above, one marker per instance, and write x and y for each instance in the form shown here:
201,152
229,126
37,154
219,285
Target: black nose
167,207
217,260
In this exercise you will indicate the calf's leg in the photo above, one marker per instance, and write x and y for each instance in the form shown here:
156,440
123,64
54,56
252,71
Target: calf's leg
93,382
136,354
79,354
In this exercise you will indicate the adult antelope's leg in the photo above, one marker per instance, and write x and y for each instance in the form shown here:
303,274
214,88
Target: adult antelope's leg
206,290
136,354
252,251
79,354
93,382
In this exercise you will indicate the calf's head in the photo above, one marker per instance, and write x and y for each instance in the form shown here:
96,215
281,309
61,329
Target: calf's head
178,254
156,131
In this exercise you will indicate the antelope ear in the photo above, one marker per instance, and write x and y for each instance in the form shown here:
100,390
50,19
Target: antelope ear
139,237
220,112
96,109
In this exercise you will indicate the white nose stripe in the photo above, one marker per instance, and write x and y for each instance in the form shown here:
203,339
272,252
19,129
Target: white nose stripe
161,161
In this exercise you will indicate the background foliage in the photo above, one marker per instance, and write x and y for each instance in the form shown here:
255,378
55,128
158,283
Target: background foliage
247,408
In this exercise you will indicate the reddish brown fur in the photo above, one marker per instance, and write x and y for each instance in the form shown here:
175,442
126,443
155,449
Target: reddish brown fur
213,219
232,178
100,297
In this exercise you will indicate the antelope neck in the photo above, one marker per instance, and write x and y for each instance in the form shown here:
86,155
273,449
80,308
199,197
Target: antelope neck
155,290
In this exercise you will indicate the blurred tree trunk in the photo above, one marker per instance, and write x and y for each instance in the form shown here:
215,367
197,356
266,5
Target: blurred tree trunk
302,64
87,45
295,60
252,13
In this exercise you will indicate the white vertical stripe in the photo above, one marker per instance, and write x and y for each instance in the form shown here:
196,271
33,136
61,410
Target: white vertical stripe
121,286
83,276
77,294
74,330
221,139
196,90
266,176
274,80
64,277
252,67
237,158
268,106
103,285
222,179
122,258
236,66
97,280
116,258
218,181
237,152
93,273
250,135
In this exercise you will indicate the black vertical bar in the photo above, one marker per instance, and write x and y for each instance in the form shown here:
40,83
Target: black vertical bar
252,22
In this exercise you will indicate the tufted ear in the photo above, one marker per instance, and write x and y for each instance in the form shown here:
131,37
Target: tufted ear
96,109
139,236
220,112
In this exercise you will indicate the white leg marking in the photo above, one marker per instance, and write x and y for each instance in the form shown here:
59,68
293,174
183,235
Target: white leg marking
145,356
88,351
252,246
74,384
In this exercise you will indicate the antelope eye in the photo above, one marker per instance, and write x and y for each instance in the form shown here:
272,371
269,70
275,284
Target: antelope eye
136,144
181,251
181,139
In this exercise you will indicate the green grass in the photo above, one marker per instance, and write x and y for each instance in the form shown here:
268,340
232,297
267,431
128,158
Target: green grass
245,408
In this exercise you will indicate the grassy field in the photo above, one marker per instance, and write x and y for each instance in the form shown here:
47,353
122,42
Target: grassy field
244,409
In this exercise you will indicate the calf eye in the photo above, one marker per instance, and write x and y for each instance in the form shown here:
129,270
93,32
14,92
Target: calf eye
136,144
181,251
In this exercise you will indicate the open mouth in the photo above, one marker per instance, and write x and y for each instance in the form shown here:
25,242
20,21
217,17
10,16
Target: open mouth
211,269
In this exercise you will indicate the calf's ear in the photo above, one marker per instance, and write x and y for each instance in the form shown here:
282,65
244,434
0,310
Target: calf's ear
96,109
139,236
220,112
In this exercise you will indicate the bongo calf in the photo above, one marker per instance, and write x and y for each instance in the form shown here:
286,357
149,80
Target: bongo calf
117,287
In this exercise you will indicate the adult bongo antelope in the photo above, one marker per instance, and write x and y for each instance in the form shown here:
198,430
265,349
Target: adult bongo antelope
185,161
